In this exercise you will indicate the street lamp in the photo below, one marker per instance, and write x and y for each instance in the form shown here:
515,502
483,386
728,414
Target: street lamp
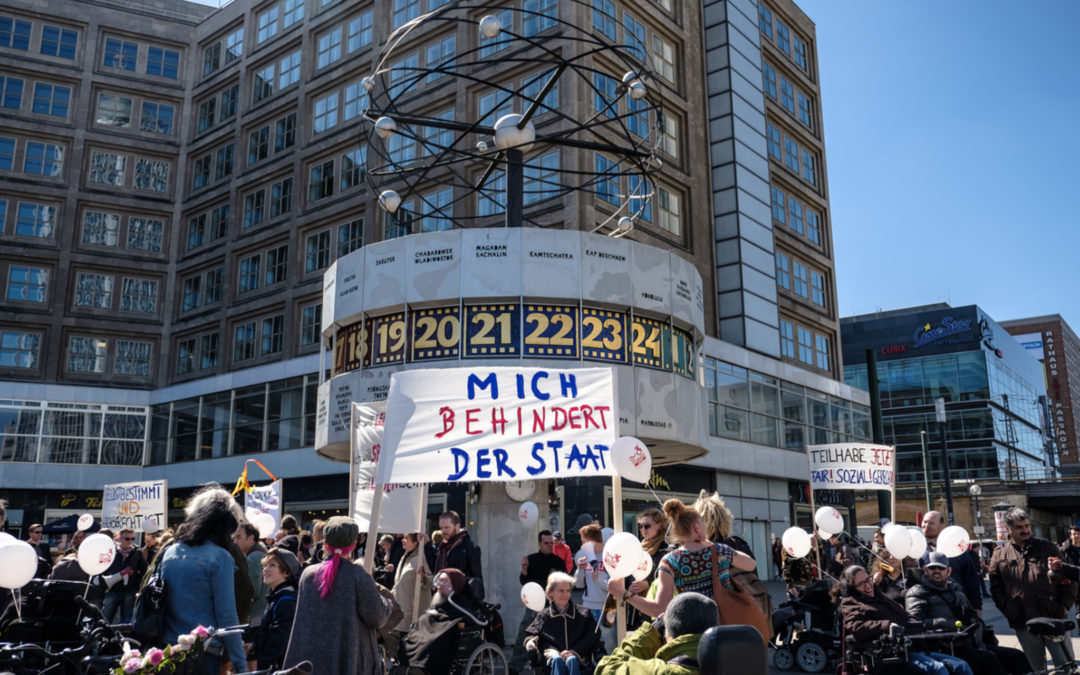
975,491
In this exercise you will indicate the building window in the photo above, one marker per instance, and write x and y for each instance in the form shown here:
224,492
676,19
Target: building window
663,58
93,290
229,99
317,251
437,211
14,33
211,58
35,220
355,100
289,70
359,32
277,265
100,229
114,111
310,324
817,283
293,12
43,159
765,20
267,24
806,346
151,175
799,51
219,222
244,341
162,62
249,274
787,339
138,295
281,197
403,75
263,84
20,350
215,283
603,18
783,37
326,109
321,180
223,161
670,218
607,179
493,105
813,230
272,330
791,155
808,168
234,45
7,153
200,172
440,58
787,98
778,212
329,48
352,168
285,132
768,79
804,111
107,168
185,356
120,54
27,284
637,117
491,199
87,355
669,140
11,89
208,351
258,145
634,36
541,178
783,273
822,351
540,15
192,293
802,286
605,98
145,234
196,231
350,236
254,205
51,99
774,140
489,46
404,11
156,118
795,208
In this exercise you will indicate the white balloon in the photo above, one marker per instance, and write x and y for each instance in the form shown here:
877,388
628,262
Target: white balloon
622,553
644,568
4,536
829,520
86,521
588,549
796,542
918,543
528,514
18,563
898,541
631,459
606,533
265,524
532,594
953,541
96,553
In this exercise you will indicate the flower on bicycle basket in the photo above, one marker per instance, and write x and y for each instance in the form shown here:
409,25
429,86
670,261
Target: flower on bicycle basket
185,642
200,631
133,665
155,656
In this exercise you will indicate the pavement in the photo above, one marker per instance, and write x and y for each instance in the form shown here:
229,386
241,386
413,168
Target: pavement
990,614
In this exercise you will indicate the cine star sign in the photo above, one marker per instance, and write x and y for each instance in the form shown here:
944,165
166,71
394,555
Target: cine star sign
497,424
851,466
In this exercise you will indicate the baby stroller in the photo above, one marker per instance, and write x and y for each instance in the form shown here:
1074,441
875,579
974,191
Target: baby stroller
805,632
463,636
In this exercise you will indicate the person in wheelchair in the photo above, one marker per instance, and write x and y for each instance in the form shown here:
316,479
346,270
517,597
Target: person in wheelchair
437,637
868,616
939,603
563,635
668,645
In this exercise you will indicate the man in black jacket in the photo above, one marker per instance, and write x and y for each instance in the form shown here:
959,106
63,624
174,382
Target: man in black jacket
122,578
939,603
457,549
534,567
964,570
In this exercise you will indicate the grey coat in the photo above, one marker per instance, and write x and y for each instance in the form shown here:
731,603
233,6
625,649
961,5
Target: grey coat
337,633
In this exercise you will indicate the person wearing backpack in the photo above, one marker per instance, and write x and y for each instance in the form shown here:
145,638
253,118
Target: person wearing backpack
280,568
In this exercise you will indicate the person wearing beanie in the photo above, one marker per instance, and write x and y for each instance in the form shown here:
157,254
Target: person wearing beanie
664,648
280,569
436,632
339,604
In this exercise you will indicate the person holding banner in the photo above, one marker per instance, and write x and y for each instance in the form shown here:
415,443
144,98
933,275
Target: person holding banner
457,550
412,562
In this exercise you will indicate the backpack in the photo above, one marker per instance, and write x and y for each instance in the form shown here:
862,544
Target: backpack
148,617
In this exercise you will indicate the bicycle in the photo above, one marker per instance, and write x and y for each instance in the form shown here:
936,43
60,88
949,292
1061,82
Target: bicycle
98,653
1056,630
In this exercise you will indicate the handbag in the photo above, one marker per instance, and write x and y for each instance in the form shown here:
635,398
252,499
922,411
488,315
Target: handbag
734,606
148,617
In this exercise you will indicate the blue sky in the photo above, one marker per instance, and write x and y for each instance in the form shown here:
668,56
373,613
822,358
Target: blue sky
950,130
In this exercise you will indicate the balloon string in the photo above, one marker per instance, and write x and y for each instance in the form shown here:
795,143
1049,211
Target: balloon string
598,621
867,548
15,599
657,498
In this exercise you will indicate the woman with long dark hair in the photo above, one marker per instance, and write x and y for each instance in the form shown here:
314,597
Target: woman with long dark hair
199,572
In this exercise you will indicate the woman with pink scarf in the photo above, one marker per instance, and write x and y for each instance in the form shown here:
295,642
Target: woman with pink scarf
339,609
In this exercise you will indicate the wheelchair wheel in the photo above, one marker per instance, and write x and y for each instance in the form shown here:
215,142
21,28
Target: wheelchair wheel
783,658
487,659
811,657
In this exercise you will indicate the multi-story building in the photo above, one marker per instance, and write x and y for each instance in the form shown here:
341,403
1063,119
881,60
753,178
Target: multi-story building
1050,340
175,182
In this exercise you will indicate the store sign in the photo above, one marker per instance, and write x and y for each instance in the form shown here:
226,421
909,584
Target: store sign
947,327
497,424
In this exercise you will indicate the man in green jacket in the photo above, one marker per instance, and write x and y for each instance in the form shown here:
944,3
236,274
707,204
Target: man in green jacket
671,650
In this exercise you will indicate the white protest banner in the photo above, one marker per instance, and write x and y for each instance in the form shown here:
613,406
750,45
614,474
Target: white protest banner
498,424
851,466
129,505
265,499
399,510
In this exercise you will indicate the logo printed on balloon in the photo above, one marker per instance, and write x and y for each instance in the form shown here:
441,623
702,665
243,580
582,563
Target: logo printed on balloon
639,456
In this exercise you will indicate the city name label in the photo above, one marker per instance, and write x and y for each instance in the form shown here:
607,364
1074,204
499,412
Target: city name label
497,424
514,331
852,466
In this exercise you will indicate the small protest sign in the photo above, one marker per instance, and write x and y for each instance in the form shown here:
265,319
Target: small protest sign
851,466
130,505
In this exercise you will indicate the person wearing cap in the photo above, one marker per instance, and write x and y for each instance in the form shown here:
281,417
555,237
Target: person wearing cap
940,604
280,568
664,648
435,634
339,609
965,571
